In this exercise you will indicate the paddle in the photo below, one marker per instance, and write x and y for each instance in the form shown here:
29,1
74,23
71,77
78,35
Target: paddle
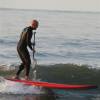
34,45
34,60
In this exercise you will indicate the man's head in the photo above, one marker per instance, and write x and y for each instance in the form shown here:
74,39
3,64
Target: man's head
34,24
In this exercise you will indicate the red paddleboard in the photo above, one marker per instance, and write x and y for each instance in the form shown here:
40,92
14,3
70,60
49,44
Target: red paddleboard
53,85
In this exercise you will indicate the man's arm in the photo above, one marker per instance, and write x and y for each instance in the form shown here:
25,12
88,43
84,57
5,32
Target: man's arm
29,37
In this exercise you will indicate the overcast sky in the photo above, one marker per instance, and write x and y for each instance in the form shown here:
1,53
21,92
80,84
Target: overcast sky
80,5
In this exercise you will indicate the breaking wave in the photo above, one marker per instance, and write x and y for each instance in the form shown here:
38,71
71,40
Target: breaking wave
9,87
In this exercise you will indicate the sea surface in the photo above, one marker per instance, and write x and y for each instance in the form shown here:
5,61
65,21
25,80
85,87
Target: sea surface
62,37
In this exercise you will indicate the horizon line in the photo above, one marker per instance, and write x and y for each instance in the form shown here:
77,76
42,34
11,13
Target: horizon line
50,10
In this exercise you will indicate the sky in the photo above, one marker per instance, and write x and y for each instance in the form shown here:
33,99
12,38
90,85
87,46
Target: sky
73,5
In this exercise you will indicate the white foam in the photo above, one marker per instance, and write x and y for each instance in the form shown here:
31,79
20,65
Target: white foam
10,87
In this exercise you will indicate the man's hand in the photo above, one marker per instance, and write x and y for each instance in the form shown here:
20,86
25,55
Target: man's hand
33,50
33,44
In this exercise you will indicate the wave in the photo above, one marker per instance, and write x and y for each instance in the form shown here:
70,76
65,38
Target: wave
61,73
7,42
69,73
9,87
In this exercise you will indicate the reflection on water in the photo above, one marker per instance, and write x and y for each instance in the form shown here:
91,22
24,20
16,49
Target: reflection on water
49,95
27,97
53,94
46,97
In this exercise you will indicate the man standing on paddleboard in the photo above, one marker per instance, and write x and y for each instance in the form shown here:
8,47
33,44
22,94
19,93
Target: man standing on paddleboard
24,42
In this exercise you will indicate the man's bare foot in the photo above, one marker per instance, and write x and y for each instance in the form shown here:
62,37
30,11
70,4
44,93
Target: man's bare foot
26,78
16,77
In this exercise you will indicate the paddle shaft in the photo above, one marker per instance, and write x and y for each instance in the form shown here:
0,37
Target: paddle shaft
34,44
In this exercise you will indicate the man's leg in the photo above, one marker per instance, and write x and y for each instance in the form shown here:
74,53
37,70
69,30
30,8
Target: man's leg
25,57
27,64
27,67
21,67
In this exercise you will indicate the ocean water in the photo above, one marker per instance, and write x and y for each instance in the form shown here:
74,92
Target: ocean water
62,37
16,91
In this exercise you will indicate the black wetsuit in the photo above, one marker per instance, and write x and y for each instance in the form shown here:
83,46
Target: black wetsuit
24,42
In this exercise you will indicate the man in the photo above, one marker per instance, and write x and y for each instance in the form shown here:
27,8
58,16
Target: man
24,42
